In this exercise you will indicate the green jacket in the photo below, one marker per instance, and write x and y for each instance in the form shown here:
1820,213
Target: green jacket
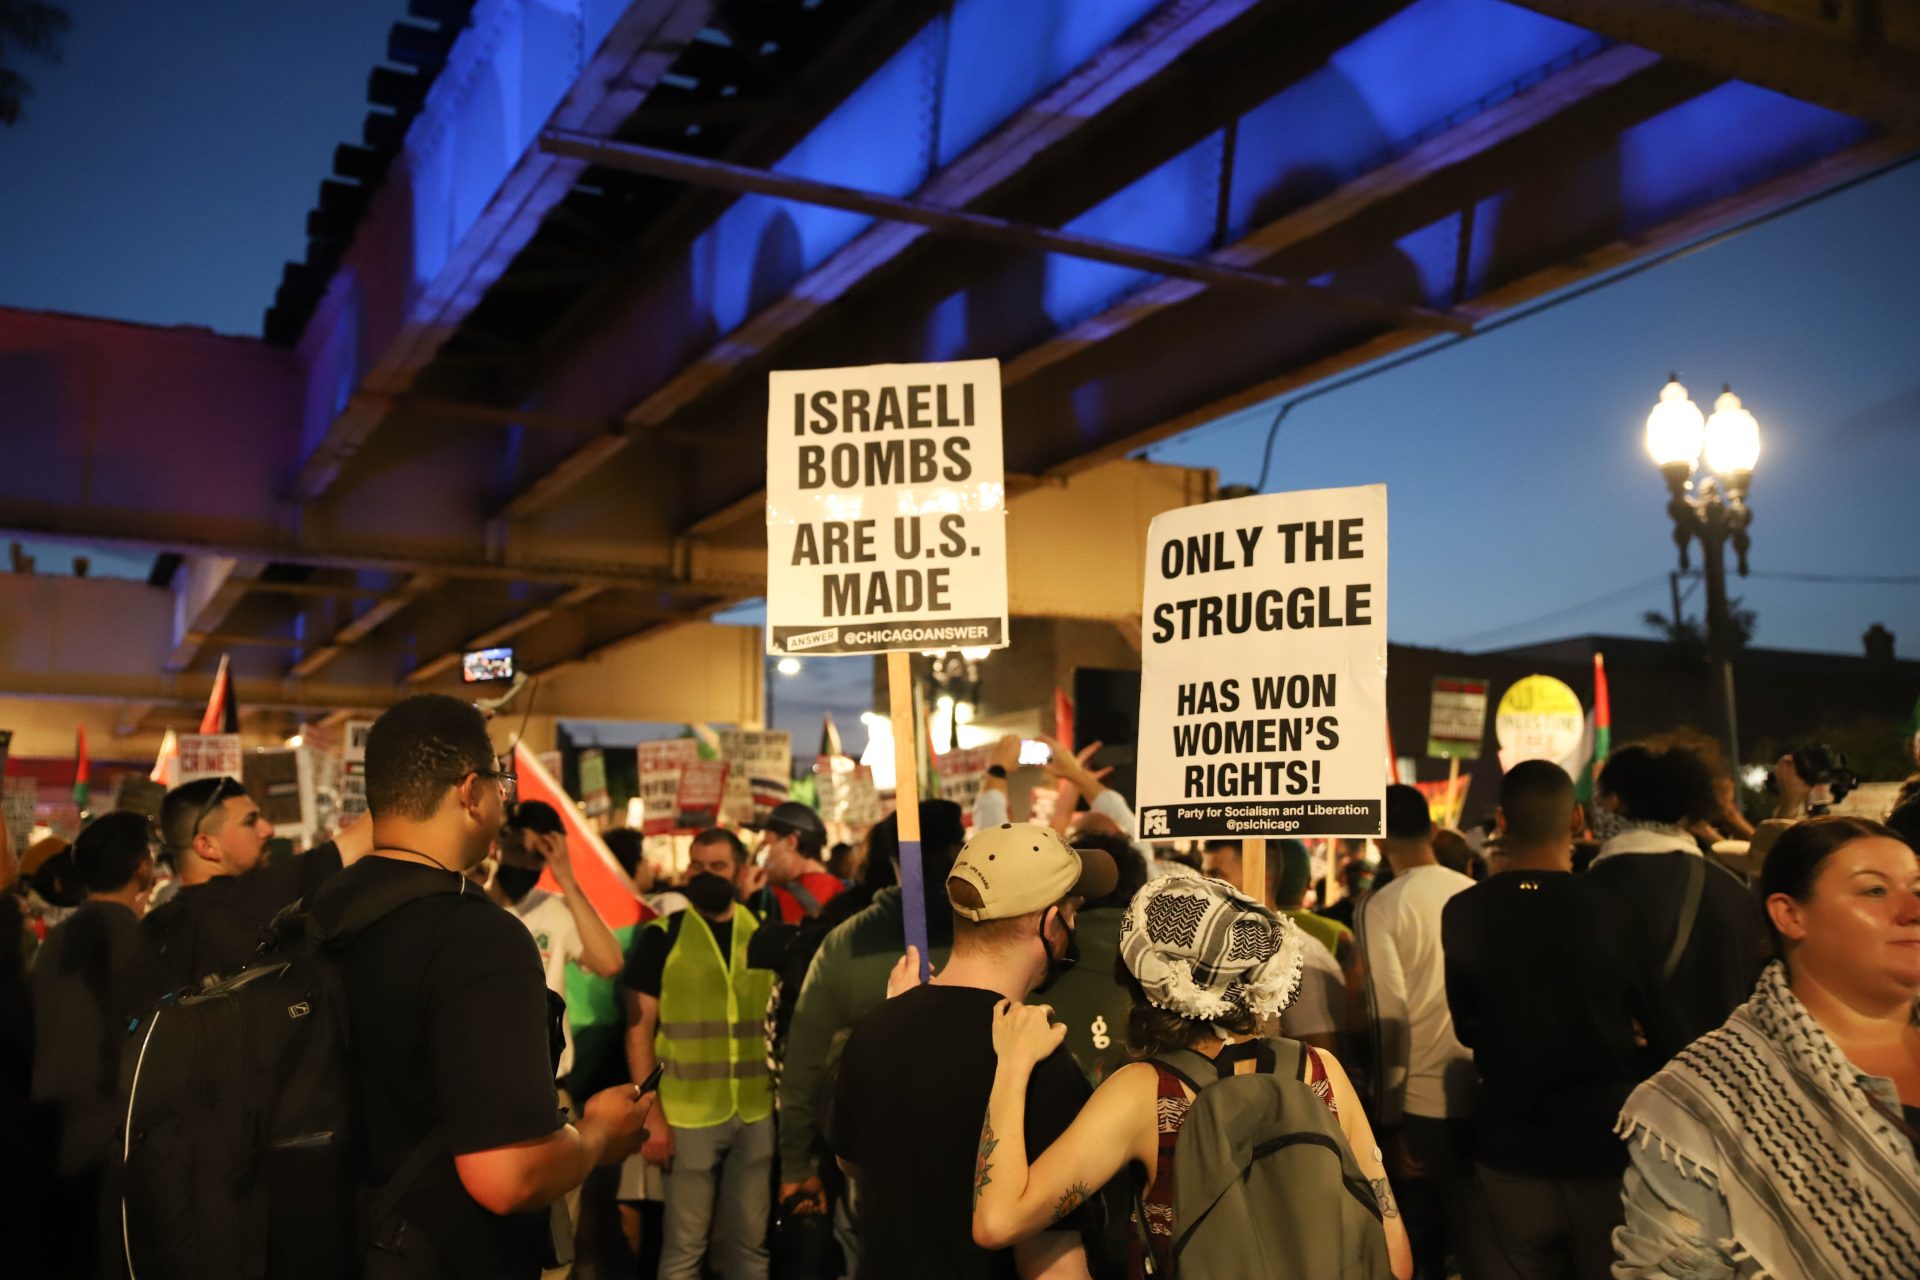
846,981
1092,1004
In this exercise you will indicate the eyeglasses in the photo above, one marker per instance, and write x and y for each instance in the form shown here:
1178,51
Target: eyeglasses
509,781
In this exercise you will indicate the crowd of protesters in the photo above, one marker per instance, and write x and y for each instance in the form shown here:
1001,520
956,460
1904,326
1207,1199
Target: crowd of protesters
1449,1055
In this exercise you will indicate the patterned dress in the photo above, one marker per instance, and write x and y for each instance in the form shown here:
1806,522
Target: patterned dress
1171,1103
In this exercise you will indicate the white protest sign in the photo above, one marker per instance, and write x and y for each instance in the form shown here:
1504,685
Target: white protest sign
1263,691
886,509
961,774
210,755
660,765
353,771
759,771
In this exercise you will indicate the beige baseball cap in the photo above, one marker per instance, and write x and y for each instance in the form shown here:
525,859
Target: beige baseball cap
1018,867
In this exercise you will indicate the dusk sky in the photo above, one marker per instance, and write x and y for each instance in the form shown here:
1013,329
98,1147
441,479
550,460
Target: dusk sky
163,171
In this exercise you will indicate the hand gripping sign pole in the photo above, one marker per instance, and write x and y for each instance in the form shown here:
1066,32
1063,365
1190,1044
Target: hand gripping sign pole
906,792
886,533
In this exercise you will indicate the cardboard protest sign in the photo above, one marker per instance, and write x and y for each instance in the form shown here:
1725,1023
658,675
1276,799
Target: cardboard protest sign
272,778
1264,667
660,765
1540,718
1457,718
703,785
140,795
886,509
848,795
759,771
210,755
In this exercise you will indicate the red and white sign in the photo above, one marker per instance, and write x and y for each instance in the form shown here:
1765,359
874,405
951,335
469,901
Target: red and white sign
210,755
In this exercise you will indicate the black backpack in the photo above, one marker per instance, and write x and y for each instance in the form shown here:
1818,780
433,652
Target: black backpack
241,1130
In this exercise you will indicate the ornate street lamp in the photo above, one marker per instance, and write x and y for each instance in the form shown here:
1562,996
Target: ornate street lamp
1712,508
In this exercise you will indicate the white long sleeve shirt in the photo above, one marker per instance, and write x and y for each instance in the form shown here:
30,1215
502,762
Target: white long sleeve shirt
1424,1070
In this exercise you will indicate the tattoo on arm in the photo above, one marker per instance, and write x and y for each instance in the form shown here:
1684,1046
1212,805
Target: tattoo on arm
1383,1192
1070,1199
983,1162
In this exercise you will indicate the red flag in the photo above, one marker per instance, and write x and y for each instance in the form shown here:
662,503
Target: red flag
601,878
222,714
166,764
1062,718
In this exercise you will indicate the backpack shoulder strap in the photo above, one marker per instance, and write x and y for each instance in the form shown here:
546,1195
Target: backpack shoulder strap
372,904
423,1153
808,903
1689,913
1186,1066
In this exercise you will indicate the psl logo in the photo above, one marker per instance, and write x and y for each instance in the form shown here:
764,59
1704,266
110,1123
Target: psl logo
1154,823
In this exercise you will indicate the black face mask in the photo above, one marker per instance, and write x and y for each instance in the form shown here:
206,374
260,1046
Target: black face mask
516,882
1058,966
710,894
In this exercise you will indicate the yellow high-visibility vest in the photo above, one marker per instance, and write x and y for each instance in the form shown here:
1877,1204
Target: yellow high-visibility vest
712,1032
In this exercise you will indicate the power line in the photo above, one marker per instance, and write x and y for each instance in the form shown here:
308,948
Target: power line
1862,579
1494,633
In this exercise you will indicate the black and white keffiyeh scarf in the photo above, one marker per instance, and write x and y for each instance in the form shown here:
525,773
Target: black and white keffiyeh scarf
1204,950
1818,1182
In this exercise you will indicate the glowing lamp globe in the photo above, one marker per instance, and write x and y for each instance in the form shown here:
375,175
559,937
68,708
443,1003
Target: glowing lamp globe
1676,428
1733,437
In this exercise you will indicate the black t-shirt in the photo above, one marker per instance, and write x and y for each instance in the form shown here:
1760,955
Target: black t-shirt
647,958
448,1011
1541,982
907,1113
215,927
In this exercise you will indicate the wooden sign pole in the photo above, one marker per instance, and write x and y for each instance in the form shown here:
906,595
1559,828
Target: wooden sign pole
906,792
1253,868
1453,780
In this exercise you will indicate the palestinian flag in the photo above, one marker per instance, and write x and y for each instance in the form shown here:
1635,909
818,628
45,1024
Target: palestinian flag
223,712
1602,718
601,878
81,785
830,737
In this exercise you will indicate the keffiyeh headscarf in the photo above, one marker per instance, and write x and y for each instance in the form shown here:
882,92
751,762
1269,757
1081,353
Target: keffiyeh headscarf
1202,949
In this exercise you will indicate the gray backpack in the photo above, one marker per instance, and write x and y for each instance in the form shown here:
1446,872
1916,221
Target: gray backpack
1264,1183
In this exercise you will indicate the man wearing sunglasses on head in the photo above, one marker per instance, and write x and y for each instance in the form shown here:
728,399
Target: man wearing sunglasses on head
229,891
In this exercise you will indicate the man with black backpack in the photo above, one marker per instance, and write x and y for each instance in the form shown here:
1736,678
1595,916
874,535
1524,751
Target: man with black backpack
455,1034
374,1094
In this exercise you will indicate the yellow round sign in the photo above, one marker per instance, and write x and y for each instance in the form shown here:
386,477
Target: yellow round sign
1539,718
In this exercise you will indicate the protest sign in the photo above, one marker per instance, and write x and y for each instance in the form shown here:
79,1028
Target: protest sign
660,766
210,755
759,771
1539,718
961,773
1456,718
353,771
272,778
847,794
19,796
140,795
886,509
703,785
1263,667
594,798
